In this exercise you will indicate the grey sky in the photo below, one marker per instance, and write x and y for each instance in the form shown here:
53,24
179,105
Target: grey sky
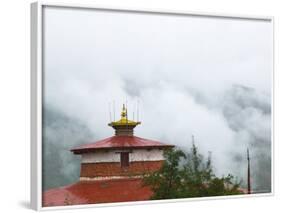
210,77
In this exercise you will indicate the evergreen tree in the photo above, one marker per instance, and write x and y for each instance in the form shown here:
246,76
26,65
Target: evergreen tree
186,175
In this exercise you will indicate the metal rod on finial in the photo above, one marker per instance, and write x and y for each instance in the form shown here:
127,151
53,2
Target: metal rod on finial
126,110
192,138
138,110
109,112
114,110
133,111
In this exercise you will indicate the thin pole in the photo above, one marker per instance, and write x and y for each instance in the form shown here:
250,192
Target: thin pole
134,105
192,139
249,172
109,112
126,110
113,110
138,112
133,116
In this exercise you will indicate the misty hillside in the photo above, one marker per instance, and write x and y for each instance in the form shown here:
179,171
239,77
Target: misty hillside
248,114
245,111
60,134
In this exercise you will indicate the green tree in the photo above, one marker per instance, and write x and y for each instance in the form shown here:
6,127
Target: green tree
166,183
186,175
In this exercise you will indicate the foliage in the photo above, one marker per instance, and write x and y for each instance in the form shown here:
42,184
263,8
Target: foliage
186,175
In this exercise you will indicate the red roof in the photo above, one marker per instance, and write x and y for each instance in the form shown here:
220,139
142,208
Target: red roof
119,142
103,191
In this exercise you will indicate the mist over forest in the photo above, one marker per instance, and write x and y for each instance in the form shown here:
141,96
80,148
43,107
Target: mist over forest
60,134
246,113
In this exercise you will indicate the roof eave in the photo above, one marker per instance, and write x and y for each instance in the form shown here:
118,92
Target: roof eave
87,150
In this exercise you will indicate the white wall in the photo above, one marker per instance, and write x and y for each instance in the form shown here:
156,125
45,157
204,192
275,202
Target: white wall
114,156
147,155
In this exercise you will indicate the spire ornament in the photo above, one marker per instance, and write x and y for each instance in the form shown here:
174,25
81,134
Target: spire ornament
124,126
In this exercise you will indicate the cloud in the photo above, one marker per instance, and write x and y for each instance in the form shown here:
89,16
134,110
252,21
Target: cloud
247,113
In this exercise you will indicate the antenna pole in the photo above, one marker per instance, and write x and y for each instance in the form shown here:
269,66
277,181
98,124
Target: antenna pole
249,173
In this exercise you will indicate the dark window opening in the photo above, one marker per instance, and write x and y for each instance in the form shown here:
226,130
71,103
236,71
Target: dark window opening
124,157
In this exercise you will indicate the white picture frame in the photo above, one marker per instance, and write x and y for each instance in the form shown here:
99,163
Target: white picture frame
36,98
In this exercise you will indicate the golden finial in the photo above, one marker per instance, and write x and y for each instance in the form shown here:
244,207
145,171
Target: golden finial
124,119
